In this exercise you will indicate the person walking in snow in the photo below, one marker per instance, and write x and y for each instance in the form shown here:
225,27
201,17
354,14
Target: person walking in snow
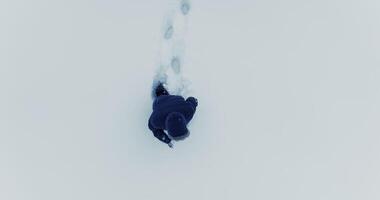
171,113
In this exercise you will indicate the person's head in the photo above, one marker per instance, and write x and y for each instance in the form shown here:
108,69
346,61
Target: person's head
176,125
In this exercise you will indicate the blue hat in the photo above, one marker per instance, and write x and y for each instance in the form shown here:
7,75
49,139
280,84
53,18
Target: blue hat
176,126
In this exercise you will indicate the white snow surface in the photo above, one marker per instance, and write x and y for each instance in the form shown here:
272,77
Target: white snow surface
289,101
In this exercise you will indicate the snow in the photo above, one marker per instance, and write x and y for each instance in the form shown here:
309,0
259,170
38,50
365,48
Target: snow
289,101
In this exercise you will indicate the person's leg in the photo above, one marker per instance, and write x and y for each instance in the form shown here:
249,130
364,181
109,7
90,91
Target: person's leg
160,90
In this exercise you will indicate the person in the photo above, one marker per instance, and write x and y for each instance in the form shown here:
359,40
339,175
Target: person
171,113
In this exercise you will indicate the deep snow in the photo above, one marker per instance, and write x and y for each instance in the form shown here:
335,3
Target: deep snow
289,101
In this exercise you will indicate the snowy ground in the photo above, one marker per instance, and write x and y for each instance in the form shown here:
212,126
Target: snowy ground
289,101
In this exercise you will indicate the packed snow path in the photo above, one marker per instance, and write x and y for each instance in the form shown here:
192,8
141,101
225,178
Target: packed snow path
172,48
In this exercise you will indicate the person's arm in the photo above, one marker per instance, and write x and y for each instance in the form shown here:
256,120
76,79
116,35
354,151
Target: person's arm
160,134
194,103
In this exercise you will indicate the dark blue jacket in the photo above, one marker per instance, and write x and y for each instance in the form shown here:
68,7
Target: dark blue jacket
163,106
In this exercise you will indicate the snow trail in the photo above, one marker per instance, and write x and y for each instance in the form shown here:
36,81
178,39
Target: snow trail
172,49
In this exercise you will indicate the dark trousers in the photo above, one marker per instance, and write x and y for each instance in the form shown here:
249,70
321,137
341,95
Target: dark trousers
160,90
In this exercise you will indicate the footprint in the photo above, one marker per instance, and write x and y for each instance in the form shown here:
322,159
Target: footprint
176,65
169,32
185,7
